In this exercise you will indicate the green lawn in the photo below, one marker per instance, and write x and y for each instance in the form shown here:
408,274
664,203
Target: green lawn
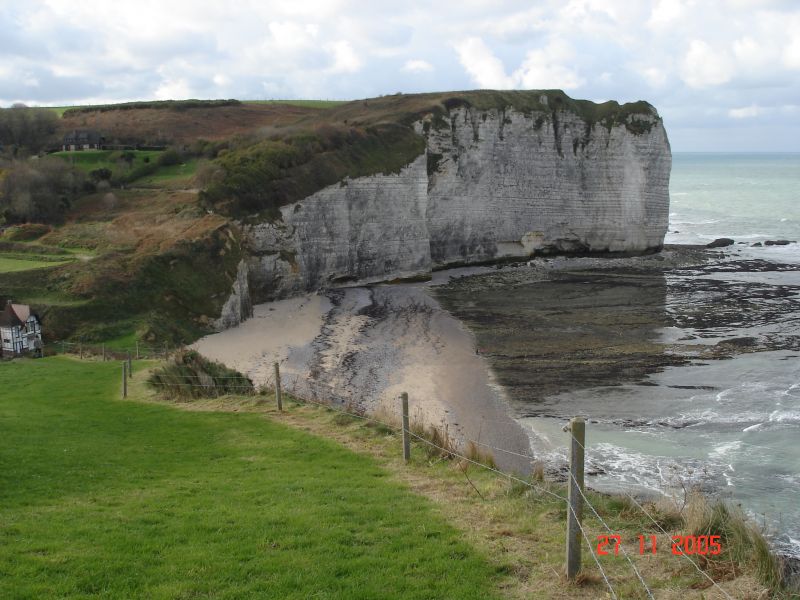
173,173
101,497
12,264
89,160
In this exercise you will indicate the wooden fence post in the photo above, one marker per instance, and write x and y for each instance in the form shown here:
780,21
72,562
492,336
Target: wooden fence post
104,353
130,365
80,350
278,395
124,379
137,349
577,429
406,440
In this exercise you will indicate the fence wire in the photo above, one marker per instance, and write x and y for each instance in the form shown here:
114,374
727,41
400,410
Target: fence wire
315,386
664,531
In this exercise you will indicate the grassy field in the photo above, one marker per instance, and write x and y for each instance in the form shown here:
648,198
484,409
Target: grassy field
119,499
89,160
301,103
14,264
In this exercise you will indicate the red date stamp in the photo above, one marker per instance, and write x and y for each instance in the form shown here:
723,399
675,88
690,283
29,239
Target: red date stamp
703,545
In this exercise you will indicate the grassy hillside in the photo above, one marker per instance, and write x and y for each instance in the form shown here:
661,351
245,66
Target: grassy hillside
148,264
163,256
105,498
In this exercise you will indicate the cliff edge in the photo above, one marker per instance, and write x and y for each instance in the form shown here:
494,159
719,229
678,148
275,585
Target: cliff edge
460,179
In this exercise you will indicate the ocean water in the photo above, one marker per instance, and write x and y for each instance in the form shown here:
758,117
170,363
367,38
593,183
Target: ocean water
730,426
747,197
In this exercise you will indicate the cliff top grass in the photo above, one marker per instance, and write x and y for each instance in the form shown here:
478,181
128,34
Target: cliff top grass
287,162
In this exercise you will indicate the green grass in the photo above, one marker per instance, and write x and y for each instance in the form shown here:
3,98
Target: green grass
116,499
301,103
172,173
89,160
15,263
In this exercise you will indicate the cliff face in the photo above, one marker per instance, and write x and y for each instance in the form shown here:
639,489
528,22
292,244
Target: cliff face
506,184
491,184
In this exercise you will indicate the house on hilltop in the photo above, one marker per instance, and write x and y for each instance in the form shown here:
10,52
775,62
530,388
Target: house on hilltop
20,330
82,139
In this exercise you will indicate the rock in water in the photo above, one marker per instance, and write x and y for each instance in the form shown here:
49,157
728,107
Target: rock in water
779,242
720,243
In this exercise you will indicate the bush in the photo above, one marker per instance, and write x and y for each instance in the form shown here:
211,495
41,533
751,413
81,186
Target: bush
99,175
189,375
26,233
169,157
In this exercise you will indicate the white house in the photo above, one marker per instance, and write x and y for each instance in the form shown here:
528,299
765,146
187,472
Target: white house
20,330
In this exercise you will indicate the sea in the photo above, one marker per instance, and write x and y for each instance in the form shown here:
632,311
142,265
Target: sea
730,426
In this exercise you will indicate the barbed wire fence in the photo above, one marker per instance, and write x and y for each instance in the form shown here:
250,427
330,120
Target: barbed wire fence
325,395
105,352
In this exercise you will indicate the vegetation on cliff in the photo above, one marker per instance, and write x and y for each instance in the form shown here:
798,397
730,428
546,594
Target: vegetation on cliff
157,262
265,171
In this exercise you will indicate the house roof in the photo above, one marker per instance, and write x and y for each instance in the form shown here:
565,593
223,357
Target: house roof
14,314
82,136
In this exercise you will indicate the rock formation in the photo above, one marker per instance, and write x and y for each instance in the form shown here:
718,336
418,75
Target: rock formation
491,184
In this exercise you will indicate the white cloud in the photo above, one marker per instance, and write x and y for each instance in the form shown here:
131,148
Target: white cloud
291,35
746,112
542,68
655,76
482,65
417,66
726,55
546,68
665,13
704,66
345,59
791,55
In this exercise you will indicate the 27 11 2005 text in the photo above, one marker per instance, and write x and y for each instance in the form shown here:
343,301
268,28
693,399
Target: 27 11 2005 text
681,544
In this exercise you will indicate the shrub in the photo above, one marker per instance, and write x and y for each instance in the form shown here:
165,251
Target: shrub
98,175
169,157
190,375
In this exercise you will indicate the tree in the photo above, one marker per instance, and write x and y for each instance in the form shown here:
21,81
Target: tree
26,128
39,191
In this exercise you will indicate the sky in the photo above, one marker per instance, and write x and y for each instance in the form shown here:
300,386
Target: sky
724,74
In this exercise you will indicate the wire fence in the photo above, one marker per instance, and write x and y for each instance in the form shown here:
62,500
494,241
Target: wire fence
106,351
326,395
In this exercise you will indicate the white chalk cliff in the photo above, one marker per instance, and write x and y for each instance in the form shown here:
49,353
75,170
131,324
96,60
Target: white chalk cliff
491,184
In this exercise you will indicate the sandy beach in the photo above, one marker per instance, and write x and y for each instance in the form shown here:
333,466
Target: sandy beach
361,347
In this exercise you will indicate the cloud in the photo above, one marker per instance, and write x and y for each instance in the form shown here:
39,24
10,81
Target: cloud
791,56
665,13
704,66
417,66
345,59
546,68
483,66
746,112
725,56
541,69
